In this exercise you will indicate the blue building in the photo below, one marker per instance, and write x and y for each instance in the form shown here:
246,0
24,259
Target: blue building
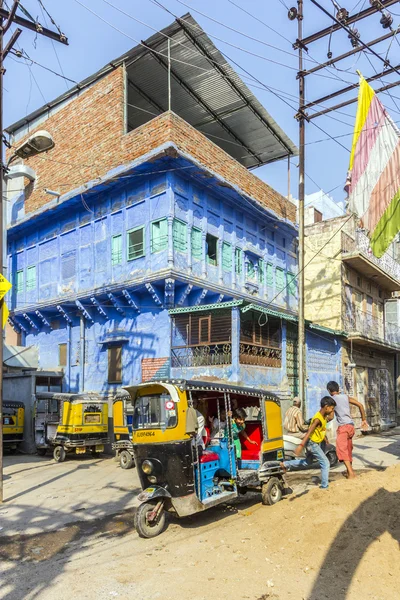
174,260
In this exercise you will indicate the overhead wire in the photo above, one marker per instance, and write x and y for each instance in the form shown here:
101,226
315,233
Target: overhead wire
44,10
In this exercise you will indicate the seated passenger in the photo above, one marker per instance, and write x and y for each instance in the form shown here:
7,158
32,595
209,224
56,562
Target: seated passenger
197,439
238,428
217,428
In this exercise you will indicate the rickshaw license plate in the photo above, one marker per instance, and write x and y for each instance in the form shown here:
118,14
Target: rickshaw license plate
99,449
80,450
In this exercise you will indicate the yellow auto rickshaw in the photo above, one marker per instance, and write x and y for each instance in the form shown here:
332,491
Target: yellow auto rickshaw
184,469
122,418
13,424
69,423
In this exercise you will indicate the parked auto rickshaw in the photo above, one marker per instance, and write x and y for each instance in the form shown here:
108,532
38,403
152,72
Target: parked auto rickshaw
13,424
122,418
69,423
176,475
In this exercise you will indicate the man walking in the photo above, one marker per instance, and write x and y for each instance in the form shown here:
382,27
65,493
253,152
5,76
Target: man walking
345,431
294,422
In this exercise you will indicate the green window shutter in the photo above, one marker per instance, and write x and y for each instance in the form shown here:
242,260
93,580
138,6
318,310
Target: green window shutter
197,250
135,243
226,256
159,235
291,282
270,275
19,282
116,250
261,267
280,279
238,260
180,235
31,277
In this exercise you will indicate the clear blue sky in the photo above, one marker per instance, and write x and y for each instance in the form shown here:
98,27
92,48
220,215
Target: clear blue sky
93,43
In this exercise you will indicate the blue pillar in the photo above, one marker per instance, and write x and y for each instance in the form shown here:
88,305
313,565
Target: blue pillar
235,343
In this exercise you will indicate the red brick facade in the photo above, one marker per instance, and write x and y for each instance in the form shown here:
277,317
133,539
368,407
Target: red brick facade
90,140
151,366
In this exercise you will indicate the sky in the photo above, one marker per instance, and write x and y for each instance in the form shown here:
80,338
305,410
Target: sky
259,42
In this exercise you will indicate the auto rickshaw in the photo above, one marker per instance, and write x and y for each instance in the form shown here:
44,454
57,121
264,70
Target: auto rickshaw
13,424
176,475
122,418
69,423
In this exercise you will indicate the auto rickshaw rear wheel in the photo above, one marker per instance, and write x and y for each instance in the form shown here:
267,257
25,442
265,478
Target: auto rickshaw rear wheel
59,454
332,457
145,528
41,451
125,459
271,491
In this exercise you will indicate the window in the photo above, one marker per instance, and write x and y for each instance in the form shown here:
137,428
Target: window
62,355
270,275
48,384
205,330
291,283
115,364
154,412
211,250
31,278
92,418
238,260
280,279
359,281
19,282
159,235
261,270
226,256
116,250
251,269
197,251
180,235
135,243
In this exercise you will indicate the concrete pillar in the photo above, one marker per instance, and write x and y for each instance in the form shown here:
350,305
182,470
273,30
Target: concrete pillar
204,260
170,221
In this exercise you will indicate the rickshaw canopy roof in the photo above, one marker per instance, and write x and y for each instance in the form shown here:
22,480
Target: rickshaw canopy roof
13,404
77,398
203,386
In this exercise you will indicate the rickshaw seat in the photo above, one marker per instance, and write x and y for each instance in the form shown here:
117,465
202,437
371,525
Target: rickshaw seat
250,451
209,457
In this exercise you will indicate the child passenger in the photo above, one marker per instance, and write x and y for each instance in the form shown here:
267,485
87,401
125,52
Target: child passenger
314,437
238,428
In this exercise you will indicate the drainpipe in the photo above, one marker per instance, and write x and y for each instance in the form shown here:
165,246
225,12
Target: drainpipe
69,354
82,348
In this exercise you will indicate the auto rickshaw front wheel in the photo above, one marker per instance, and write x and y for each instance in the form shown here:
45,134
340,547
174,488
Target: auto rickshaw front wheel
125,459
41,451
149,528
59,454
271,492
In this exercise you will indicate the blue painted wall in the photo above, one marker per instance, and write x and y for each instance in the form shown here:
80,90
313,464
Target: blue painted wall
71,248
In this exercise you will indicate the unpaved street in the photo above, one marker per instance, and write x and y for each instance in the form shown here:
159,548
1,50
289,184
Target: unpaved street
335,544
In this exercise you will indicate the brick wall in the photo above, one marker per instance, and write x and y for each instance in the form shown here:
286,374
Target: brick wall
155,368
90,140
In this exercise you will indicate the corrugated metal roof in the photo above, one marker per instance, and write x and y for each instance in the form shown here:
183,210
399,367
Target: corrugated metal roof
205,91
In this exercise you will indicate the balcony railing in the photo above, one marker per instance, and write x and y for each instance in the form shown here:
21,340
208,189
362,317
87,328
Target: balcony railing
262,356
361,245
201,355
369,326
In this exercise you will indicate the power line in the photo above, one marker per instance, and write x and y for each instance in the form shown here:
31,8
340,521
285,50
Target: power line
44,10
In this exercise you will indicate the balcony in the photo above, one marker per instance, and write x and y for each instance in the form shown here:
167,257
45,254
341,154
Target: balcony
370,330
356,252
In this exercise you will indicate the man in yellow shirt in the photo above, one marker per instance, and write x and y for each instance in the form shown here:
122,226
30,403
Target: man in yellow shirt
314,437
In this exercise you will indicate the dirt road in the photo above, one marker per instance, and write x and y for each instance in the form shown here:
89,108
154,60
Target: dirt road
338,544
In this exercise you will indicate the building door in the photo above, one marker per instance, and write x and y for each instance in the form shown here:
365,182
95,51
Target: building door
292,358
386,397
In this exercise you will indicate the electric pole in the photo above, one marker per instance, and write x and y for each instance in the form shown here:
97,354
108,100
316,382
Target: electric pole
8,18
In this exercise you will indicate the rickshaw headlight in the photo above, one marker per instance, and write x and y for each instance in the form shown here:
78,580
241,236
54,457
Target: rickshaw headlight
147,467
152,478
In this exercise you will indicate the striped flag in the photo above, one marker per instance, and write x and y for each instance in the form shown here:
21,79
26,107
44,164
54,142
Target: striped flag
373,183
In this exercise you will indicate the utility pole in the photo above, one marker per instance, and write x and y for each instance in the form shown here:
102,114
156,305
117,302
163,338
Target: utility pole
300,117
6,20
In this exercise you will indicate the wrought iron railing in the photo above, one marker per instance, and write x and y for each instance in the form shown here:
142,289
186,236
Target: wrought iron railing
252,354
372,327
360,243
201,355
